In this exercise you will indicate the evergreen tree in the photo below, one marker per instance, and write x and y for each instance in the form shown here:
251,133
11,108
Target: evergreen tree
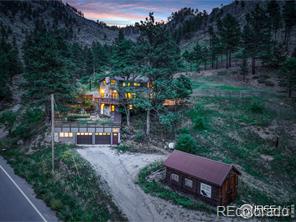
158,58
289,72
257,36
197,55
123,60
274,12
9,66
244,66
229,32
289,15
215,46
47,69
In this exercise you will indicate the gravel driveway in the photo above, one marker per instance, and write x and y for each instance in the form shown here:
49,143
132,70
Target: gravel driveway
119,171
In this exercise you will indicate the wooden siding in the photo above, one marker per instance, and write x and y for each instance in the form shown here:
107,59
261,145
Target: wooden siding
219,195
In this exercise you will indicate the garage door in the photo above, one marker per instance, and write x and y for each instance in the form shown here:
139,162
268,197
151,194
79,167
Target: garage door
103,138
84,138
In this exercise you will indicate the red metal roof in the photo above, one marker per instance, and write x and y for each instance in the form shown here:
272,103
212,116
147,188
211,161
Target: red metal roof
200,167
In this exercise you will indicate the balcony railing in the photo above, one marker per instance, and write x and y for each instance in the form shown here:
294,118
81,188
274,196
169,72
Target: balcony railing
108,100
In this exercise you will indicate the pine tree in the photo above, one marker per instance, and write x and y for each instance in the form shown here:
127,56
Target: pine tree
274,12
289,15
244,66
289,72
47,69
229,32
159,59
9,66
257,36
197,56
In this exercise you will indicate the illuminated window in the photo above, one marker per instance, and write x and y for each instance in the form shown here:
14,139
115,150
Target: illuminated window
102,92
137,84
130,106
104,82
115,130
66,134
128,84
84,134
128,95
123,84
112,108
113,81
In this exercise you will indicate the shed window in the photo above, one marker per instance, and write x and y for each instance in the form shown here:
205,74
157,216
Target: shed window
205,190
188,183
175,177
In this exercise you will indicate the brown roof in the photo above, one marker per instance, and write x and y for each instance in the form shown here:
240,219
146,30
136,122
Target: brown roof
200,167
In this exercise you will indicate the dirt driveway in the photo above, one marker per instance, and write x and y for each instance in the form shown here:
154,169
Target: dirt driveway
120,171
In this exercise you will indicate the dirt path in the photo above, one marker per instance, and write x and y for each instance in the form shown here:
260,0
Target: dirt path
120,172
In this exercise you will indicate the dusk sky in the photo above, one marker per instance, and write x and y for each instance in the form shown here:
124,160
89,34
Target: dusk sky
127,12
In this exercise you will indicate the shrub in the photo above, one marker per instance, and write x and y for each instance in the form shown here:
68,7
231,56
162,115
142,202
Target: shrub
139,137
256,107
122,147
198,123
186,143
183,131
30,122
8,119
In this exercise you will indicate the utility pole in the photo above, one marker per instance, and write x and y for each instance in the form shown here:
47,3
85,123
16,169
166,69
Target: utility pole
52,133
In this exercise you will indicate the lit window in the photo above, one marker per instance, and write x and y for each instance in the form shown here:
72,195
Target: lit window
113,81
188,183
130,106
66,134
137,84
115,130
123,84
112,108
114,134
128,95
175,177
102,92
128,84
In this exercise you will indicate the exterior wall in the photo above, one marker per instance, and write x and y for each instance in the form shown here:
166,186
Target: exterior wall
93,131
229,188
219,195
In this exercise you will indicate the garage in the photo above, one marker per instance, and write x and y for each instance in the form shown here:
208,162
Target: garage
84,138
102,138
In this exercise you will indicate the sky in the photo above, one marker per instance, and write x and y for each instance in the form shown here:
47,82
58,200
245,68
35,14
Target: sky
127,12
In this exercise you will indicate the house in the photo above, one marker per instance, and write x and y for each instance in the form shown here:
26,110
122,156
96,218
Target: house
111,94
211,181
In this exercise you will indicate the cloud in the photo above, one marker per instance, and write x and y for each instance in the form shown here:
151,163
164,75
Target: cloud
126,12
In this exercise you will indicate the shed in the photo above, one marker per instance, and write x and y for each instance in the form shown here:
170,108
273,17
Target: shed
212,181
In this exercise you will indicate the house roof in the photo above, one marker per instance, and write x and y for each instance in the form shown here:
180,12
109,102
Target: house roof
199,167
131,78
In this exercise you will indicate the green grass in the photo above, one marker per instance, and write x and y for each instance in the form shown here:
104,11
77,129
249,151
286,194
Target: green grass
160,190
231,136
73,191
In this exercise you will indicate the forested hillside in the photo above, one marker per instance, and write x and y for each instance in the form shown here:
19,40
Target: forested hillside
228,77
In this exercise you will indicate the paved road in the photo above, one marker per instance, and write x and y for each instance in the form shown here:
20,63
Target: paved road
17,199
